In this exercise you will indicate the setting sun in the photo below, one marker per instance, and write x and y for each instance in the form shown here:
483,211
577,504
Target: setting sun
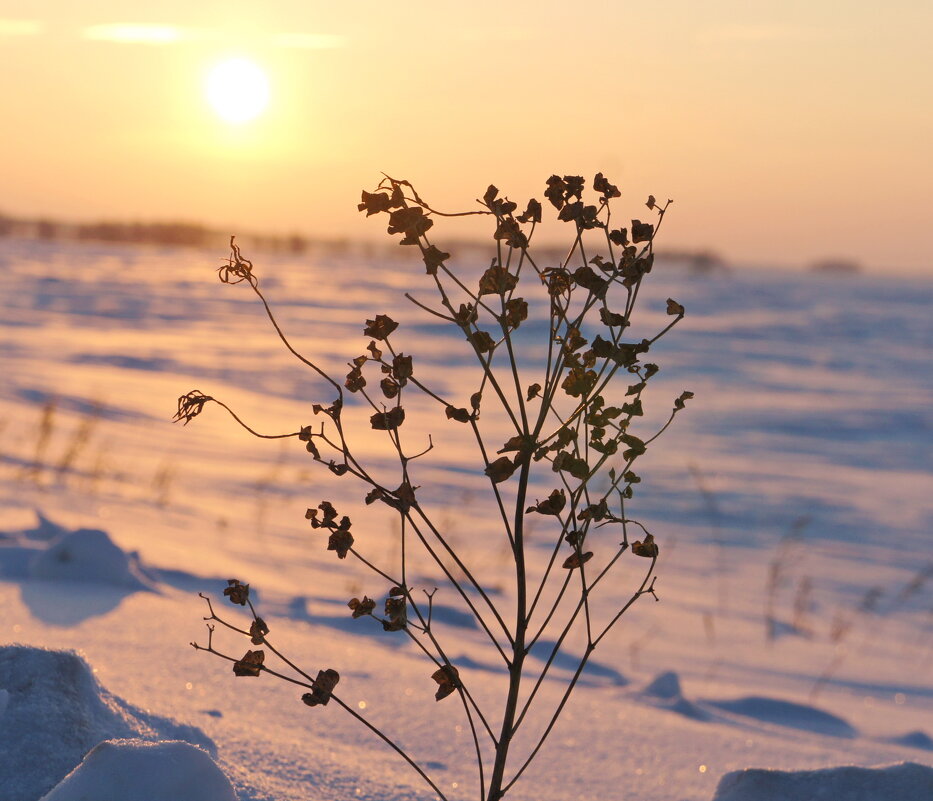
237,89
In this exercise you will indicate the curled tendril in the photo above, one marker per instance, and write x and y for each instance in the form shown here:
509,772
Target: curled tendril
190,406
236,268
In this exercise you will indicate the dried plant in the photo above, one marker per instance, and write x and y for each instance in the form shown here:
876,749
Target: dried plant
572,434
33,470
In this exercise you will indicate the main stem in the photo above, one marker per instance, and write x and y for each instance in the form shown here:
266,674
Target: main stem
496,790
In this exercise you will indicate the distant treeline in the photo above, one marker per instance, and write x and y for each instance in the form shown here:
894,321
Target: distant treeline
184,234
176,234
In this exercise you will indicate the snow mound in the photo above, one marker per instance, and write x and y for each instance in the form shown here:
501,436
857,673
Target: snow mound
55,712
907,781
915,739
88,554
664,692
787,713
44,529
134,770
665,686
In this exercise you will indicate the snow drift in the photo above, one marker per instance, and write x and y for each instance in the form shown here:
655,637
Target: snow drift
51,552
88,554
55,711
134,770
905,782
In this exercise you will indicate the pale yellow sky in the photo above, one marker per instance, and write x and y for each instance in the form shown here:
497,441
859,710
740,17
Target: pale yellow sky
785,131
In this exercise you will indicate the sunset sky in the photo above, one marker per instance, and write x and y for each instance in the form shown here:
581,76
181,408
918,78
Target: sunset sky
785,131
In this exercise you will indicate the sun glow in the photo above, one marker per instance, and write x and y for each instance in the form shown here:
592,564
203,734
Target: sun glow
237,89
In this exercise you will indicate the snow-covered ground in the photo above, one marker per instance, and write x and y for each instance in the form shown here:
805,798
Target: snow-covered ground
792,501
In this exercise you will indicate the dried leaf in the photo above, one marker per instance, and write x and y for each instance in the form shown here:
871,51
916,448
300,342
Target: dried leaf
250,664
673,307
557,280
595,511
257,631
576,559
633,409
586,277
516,312
375,494
516,443
641,232
388,421
340,541
571,212
679,403
404,496
624,354
499,470
401,368
332,411
579,382
609,447
361,608
533,391
555,191
381,327
572,340
568,463
322,688
532,213
481,341
433,258
460,415
237,593
574,185
636,447
410,221
448,680
389,387
651,203
396,614
509,230
328,515
648,548
606,189
374,203
552,505
496,280
355,380
466,314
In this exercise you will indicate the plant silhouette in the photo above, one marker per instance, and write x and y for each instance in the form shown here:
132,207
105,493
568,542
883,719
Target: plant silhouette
572,428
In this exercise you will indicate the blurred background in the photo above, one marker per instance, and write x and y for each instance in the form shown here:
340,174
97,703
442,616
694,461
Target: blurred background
789,133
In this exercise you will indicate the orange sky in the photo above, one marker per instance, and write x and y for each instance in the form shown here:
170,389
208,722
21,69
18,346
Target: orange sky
785,131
